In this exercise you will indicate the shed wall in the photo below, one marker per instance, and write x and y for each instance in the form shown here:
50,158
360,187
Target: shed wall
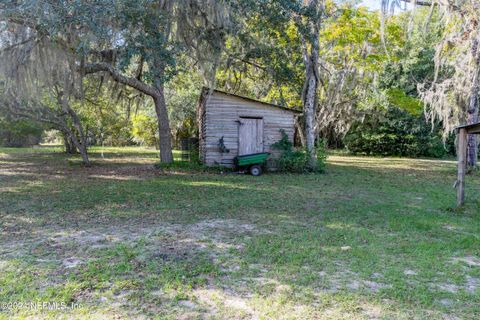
221,115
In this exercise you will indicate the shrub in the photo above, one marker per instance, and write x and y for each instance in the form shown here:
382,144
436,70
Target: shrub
321,156
19,133
396,133
145,130
296,160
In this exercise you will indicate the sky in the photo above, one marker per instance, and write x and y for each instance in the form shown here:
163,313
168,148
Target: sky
376,5
372,4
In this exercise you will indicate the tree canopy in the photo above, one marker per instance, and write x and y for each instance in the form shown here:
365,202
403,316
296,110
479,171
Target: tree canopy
130,72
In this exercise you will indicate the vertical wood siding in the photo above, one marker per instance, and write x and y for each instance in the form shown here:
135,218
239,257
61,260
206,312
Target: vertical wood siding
250,136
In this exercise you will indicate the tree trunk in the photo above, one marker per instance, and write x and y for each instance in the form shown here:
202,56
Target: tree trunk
80,142
81,146
72,144
472,112
309,113
84,153
69,146
310,47
310,99
164,133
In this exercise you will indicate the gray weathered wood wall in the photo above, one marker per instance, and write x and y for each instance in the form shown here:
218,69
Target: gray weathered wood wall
219,116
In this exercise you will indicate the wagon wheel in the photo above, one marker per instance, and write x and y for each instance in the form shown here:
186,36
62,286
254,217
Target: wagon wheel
255,170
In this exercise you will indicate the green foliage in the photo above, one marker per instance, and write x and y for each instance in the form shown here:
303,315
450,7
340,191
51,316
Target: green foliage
345,36
19,133
145,130
290,160
293,160
153,44
119,133
321,156
397,126
264,58
182,94
107,117
399,98
396,133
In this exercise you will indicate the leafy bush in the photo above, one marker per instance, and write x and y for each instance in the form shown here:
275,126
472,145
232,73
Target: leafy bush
118,133
145,130
321,156
296,160
19,133
396,133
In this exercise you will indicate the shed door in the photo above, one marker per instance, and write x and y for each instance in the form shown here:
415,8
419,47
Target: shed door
250,136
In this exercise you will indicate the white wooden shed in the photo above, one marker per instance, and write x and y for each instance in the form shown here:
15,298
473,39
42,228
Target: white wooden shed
232,125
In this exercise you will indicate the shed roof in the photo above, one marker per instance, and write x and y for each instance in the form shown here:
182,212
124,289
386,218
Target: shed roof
471,128
205,90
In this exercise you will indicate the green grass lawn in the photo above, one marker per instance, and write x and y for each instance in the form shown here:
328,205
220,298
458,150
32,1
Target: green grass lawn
372,238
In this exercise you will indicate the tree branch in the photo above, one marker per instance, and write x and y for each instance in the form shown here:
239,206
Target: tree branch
117,76
419,2
8,48
429,3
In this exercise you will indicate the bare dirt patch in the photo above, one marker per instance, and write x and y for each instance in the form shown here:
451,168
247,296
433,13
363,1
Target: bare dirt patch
367,285
72,262
472,285
409,272
213,236
471,261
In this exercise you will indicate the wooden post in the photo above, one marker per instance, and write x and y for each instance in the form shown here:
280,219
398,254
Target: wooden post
462,165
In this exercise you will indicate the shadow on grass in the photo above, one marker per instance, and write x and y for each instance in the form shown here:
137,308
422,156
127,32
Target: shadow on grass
340,242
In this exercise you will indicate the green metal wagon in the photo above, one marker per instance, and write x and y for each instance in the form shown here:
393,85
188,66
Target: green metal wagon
252,163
